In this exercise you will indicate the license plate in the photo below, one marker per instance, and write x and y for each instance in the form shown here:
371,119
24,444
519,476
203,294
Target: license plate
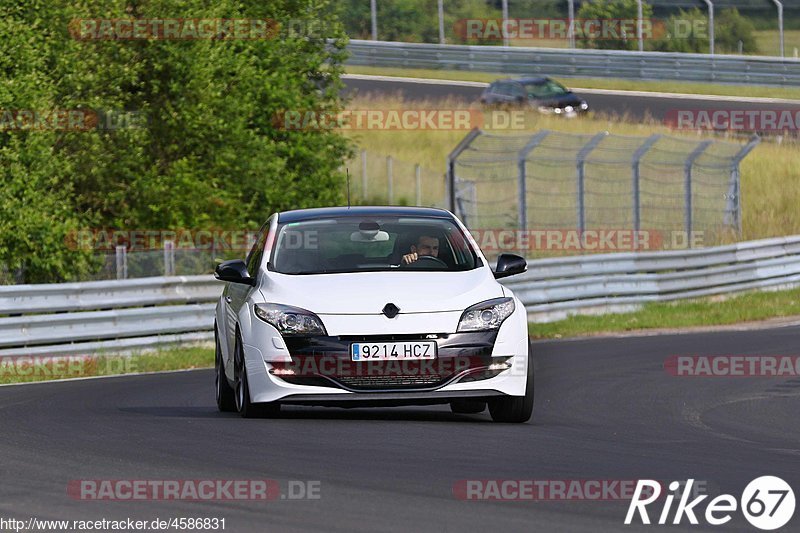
384,351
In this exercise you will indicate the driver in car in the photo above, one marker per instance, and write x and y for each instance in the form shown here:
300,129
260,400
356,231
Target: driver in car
426,245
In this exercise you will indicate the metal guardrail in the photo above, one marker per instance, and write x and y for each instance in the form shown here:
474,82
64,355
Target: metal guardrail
129,315
110,316
657,66
555,288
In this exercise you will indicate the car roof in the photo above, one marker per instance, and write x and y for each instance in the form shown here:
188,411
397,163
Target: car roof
298,215
530,79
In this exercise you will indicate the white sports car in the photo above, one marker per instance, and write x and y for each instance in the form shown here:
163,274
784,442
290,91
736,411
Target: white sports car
371,306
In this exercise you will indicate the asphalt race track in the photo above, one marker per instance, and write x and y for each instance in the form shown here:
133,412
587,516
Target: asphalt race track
605,409
635,104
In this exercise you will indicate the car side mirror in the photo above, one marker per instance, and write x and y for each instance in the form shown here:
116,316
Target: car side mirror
509,265
234,271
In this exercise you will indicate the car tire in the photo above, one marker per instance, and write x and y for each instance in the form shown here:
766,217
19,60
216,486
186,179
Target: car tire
226,396
244,405
467,406
515,409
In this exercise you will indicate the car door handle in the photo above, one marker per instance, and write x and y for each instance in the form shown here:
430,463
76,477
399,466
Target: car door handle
228,299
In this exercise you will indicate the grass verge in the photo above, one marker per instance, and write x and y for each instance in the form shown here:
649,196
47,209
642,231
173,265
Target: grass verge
713,311
25,369
595,83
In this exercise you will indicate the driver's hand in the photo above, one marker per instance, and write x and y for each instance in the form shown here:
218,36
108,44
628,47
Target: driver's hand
410,258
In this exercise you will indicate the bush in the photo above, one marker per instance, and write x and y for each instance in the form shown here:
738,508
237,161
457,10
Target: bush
731,28
208,153
685,32
611,10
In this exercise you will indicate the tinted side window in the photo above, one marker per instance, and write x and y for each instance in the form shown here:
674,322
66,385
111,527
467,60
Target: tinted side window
517,90
257,251
503,89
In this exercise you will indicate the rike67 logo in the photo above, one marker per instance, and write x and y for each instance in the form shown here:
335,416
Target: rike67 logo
767,503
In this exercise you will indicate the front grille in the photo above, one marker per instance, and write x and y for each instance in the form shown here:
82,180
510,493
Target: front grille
324,361
390,382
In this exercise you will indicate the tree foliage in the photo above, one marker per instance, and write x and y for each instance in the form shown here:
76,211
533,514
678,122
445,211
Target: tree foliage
611,10
686,31
731,28
207,152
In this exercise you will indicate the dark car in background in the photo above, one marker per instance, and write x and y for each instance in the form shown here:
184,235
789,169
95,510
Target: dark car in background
542,93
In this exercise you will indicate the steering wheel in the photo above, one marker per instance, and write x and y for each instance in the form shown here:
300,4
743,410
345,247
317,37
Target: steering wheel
426,262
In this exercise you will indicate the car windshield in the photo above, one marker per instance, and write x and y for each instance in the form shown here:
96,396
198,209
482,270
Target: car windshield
545,89
368,244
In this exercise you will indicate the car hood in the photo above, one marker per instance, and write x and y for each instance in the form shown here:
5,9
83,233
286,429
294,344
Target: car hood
368,292
561,101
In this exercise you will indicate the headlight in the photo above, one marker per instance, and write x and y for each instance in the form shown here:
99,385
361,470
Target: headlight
569,109
486,315
584,106
290,320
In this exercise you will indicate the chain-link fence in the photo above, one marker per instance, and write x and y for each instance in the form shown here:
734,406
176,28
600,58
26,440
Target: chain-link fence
385,180
560,181
168,261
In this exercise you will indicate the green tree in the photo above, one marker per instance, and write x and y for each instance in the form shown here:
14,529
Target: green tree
209,152
619,16
731,28
686,31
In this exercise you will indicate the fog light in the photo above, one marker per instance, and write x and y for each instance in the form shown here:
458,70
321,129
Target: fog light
281,371
499,366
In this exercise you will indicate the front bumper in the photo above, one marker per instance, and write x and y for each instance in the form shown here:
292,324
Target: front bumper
324,373
326,362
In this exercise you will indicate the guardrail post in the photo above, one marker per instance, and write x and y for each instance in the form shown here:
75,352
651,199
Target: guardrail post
522,186
637,205
122,262
504,9
364,174
418,179
639,24
733,211
450,180
687,174
779,5
571,29
441,21
710,5
373,10
581,160
390,179
169,258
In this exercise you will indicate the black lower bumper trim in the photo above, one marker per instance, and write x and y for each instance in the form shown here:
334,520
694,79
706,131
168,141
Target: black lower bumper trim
385,399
